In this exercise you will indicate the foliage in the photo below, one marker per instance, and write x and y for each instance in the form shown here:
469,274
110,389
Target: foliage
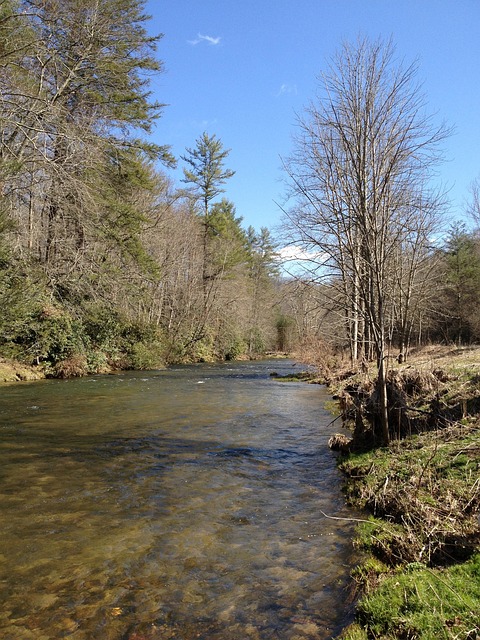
71,367
458,319
233,347
145,355
35,329
284,326
205,170
228,241
53,335
23,290
74,104
200,350
103,263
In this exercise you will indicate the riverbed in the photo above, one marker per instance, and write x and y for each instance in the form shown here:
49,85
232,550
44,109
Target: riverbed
178,504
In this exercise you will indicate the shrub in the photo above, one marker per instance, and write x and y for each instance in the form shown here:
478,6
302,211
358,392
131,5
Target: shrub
97,361
234,348
143,356
74,366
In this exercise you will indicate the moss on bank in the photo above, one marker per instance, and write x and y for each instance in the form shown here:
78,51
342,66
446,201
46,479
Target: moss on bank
424,538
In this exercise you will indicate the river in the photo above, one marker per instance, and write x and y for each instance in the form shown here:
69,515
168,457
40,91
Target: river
177,504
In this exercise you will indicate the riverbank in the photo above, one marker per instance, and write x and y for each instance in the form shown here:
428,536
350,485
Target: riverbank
421,574
15,371
12,371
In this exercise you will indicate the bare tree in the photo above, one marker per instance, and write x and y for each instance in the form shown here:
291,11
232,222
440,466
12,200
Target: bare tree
360,175
473,206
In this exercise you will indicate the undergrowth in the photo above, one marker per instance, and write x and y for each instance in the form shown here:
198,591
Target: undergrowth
421,576
428,486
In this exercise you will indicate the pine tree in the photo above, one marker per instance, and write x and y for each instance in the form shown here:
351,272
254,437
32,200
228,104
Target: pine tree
82,113
206,173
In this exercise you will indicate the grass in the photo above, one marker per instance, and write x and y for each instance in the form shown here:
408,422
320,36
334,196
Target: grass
11,371
419,602
421,576
429,486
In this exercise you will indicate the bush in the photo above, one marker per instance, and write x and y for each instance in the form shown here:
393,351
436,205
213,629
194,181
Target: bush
97,362
47,334
72,367
233,348
87,338
55,336
104,328
143,356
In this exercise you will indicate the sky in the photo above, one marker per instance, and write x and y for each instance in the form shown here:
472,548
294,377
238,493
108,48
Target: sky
245,71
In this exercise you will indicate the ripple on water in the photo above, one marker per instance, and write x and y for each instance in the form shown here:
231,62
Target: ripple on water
137,511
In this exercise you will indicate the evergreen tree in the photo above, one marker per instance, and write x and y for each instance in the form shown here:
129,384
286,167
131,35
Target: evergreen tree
228,240
262,273
85,98
206,173
462,286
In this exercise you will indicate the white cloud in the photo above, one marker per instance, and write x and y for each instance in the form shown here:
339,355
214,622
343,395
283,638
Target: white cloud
202,124
201,38
297,254
286,89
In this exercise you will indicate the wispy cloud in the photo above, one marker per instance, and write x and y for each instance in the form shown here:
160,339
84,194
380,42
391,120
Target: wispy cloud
295,260
203,124
201,38
296,253
286,89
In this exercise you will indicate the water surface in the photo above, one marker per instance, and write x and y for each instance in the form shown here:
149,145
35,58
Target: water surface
174,504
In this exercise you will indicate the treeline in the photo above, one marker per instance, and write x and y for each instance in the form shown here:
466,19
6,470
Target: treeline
104,262
386,267
445,308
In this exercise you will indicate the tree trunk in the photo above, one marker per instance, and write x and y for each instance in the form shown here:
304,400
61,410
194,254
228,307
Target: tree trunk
383,399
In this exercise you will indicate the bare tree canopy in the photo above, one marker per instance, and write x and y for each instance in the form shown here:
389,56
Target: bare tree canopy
360,178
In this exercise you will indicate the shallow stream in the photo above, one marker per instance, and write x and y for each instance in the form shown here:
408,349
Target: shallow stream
175,504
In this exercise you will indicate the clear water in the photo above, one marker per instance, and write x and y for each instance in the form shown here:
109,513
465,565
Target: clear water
176,504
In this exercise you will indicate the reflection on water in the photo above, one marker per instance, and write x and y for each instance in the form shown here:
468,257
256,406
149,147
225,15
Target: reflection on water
177,504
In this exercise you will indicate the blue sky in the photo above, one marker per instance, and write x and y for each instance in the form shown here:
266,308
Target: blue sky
242,70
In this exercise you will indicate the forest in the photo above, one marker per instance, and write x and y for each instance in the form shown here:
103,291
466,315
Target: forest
107,263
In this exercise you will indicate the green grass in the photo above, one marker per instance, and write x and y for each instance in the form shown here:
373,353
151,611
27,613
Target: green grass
423,604
420,576
425,494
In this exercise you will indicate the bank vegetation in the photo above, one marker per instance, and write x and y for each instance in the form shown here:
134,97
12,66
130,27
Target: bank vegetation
420,546
106,262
